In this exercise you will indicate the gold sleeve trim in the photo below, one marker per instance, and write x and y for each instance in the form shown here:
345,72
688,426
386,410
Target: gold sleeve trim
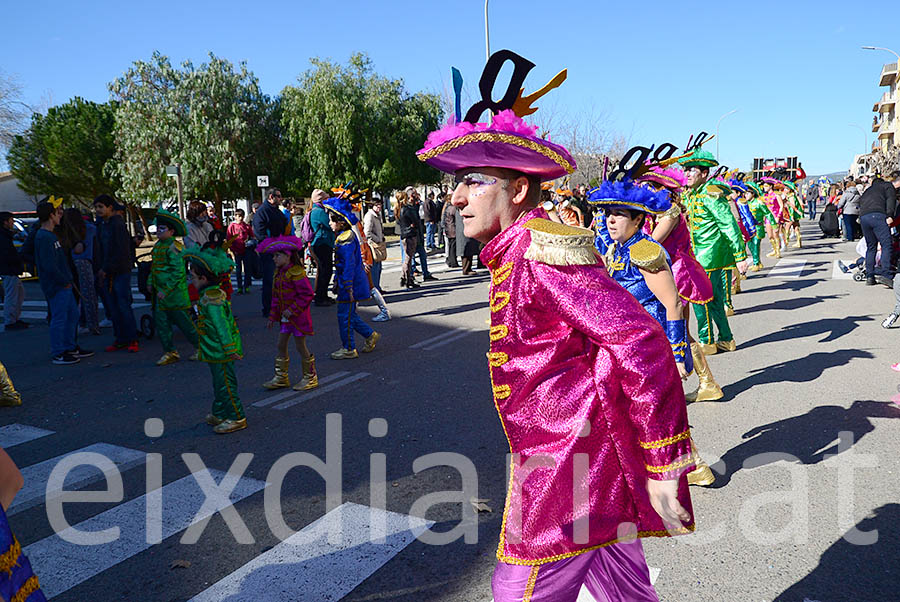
670,467
667,441
502,391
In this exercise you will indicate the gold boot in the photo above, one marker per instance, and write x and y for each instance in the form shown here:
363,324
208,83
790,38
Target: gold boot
9,397
310,379
710,349
702,475
729,311
726,345
799,240
281,379
736,288
169,357
708,390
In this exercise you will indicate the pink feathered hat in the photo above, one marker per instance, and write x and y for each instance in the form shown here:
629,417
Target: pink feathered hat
672,178
507,142
280,243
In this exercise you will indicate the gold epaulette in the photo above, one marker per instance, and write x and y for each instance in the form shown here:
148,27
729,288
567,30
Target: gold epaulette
345,237
558,244
647,255
673,212
214,296
179,246
296,272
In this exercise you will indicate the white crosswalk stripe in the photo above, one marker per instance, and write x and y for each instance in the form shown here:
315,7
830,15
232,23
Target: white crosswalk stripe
838,274
15,434
788,268
62,565
306,568
441,339
35,490
321,390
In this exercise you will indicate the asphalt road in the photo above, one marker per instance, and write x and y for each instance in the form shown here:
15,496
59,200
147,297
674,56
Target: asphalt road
812,362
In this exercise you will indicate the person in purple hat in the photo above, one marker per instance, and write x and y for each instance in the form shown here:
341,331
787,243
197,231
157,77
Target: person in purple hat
582,377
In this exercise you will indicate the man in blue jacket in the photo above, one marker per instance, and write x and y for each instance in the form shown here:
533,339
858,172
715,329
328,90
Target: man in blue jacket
57,285
322,247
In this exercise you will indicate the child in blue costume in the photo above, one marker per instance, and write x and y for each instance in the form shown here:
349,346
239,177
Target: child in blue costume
642,266
351,279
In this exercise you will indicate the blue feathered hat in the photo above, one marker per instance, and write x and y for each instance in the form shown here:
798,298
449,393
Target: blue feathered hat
625,193
738,185
341,206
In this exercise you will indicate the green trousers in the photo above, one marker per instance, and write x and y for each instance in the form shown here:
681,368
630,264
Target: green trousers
227,404
714,311
165,318
754,249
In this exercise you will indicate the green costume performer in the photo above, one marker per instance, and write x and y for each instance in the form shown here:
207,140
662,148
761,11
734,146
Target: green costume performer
718,245
795,210
760,212
219,339
168,278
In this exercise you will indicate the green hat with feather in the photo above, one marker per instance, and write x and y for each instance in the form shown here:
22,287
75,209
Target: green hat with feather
216,262
699,158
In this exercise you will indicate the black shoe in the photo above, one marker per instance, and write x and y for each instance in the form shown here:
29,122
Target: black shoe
64,359
888,282
870,281
413,285
429,277
81,353
20,325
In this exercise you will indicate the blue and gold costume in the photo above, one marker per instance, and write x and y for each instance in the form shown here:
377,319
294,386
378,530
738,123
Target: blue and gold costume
17,581
625,261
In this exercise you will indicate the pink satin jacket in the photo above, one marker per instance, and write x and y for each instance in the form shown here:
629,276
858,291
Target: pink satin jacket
588,394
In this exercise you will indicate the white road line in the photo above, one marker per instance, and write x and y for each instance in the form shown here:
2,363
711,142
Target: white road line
63,565
290,392
788,268
301,397
837,274
14,434
37,475
306,568
447,340
435,339
436,269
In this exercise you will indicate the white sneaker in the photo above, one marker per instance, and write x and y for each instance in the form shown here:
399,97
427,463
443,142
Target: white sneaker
107,323
84,330
384,316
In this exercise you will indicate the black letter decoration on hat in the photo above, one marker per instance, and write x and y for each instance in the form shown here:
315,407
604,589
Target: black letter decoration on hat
512,98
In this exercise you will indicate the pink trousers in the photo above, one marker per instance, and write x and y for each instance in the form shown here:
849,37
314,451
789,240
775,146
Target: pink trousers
616,573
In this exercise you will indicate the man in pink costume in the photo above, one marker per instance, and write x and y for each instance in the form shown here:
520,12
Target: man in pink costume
583,379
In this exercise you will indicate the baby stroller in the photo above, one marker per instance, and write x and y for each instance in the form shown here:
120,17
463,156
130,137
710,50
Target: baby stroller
859,266
147,322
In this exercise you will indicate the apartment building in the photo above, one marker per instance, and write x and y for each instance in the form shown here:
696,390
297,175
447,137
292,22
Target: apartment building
886,123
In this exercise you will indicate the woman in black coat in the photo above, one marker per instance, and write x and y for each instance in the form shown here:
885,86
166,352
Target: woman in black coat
828,221
408,220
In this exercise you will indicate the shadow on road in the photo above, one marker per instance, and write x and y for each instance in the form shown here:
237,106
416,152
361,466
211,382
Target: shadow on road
849,572
783,304
801,370
834,327
808,437
785,285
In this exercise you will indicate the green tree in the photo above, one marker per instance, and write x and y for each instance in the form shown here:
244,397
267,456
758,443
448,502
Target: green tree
213,120
349,123
67,152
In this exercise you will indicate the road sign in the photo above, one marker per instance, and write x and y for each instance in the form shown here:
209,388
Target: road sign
262,181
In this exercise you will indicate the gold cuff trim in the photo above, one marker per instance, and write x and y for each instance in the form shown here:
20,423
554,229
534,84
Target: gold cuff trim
502,391
497,137
499,301
670,467
497,358
502,273
500,331
667,441
28,588
10,558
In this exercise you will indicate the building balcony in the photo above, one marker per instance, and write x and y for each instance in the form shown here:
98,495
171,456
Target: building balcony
888,74
887,103
888,129
876,124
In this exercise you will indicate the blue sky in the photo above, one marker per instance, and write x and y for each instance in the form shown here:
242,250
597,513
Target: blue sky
659,70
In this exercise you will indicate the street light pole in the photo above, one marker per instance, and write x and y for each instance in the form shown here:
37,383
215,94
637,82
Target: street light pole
865,137
487,34
717,129
885,49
